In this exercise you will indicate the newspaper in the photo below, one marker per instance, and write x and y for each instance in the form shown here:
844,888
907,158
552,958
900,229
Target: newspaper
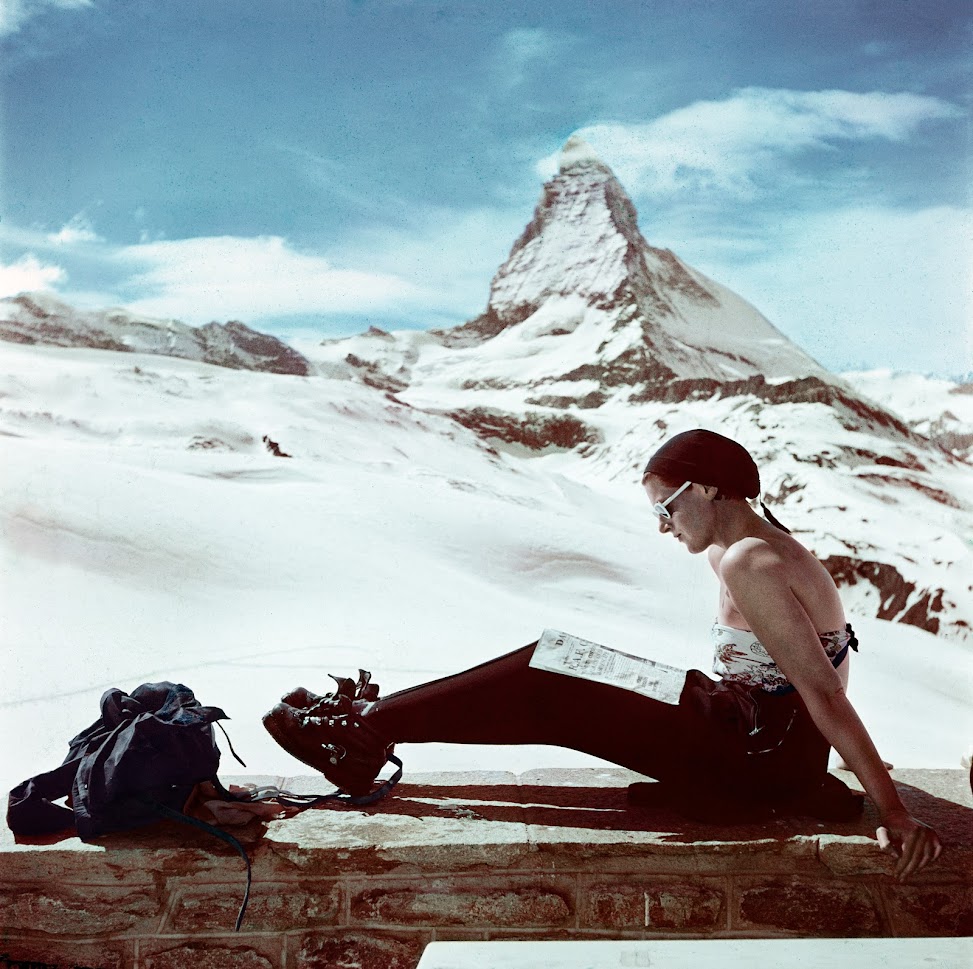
559,652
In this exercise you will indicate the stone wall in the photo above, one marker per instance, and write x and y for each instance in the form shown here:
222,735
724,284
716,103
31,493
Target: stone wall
549,854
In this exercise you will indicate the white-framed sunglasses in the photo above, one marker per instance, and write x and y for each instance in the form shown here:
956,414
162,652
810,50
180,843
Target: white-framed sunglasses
660,506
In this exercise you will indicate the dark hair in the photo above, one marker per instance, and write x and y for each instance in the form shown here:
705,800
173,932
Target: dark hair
708,458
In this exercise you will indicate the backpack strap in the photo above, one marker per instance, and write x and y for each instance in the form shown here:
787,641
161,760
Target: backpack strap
173,815
302,801
31,810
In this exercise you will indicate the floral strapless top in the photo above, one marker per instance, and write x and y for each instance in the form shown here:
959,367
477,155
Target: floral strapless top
739,657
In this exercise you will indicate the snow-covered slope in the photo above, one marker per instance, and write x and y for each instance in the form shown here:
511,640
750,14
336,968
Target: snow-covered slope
935,407
146,533
42,318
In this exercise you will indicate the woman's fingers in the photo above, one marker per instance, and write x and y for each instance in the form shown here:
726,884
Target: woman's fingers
920,847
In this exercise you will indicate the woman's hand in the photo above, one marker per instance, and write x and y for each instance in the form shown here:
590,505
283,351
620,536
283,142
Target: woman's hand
912,843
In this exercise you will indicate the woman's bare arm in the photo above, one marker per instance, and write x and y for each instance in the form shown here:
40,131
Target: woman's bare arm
758,580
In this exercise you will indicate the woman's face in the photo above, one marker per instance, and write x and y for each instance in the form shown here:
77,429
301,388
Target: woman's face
690,513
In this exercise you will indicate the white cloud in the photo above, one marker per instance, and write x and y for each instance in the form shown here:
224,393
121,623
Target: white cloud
27,274
435,271
730,146
197,280
15,13
78,229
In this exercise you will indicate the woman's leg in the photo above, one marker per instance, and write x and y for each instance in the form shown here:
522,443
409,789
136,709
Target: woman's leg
705,746
506,701
503,701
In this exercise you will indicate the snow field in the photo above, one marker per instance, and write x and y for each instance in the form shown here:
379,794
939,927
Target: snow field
393,540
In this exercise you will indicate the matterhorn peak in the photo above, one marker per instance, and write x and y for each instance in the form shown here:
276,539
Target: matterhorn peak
577,152
583,267
584,243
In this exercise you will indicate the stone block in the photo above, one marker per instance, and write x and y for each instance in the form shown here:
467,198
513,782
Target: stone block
809,909
218,952
272,908
329,842
854,855
133,859
371,950
930,909
68,910
486,902
652,905
53,953
860,855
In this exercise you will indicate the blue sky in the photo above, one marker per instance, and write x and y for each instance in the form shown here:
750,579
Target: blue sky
325,165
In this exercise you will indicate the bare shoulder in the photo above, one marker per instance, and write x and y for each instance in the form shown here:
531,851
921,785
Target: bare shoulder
775,566
751,555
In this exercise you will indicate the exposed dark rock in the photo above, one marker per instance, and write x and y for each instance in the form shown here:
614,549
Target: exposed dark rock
534,430
949,434
201,443
49,331
937,494
677,278
483,327
804,390
374,376
488,383
274,447
274,355
634,367
895,591
956,442
588,402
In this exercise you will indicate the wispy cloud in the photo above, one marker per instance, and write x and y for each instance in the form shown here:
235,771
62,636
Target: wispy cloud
347,184
735,145
77,229
202,279
15,13
523,49
28,273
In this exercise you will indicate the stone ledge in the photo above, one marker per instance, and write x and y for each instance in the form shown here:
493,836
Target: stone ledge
549,854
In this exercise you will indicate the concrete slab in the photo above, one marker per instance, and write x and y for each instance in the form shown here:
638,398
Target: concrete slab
703,954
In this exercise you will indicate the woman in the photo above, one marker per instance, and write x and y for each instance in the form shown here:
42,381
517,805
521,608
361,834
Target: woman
758,738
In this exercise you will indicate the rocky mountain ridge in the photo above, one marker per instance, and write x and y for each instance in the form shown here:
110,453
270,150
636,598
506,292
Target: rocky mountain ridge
41,318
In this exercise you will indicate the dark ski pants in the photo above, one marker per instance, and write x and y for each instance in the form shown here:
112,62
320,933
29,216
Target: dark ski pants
720,737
